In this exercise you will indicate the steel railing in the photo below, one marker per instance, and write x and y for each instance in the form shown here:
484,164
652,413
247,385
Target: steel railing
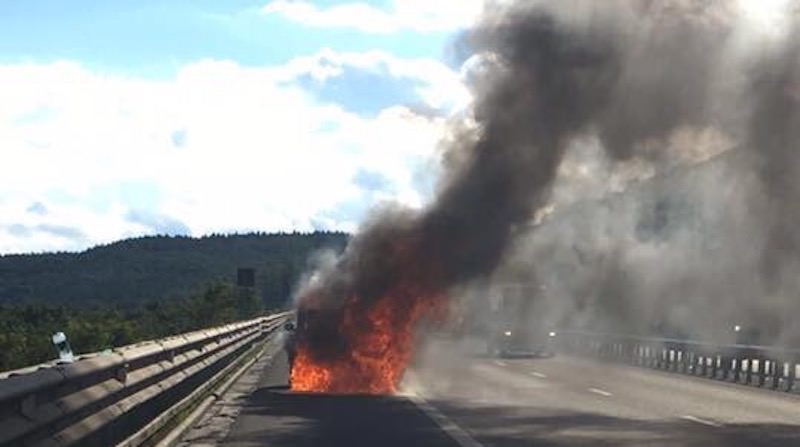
125,396
762,366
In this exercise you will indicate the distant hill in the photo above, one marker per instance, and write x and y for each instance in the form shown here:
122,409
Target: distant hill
147,269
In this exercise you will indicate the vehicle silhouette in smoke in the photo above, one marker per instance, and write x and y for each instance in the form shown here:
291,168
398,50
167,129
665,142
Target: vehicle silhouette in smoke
311,326
297,332
518,324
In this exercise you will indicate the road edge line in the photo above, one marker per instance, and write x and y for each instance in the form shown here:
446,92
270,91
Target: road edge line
451,429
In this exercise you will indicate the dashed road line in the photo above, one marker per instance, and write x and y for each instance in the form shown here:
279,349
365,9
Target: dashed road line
500,363
538,374
698,420
600,392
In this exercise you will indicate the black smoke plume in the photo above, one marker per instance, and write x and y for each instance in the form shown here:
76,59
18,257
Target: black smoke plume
626,73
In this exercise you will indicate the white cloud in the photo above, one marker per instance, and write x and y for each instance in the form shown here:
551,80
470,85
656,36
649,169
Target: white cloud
256,152
415,15
440,87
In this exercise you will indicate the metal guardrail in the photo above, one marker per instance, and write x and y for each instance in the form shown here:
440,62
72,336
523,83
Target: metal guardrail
763,366
126,396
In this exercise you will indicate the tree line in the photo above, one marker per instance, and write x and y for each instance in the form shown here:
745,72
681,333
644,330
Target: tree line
144,288
26,330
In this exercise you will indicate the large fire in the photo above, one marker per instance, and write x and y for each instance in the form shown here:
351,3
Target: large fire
379,341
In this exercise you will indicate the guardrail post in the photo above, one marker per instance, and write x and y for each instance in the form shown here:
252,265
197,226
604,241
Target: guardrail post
748,378
652,356
714,365
761,371
674,359
740,370
777,373
686,360
701,365
771,373
671,358
730,369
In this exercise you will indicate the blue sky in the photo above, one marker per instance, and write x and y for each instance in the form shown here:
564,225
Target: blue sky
127,118
154,38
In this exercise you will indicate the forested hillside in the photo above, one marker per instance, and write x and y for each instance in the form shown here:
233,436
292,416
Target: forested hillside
145,288
135,271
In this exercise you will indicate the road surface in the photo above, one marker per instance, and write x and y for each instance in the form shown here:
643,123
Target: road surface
565,401
456,397
274,416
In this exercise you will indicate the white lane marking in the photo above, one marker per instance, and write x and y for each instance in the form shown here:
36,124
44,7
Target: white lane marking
600,392
456,433
506,377
500,363
689,417
538,374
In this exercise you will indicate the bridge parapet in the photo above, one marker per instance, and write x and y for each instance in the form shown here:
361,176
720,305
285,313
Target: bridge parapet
763,366
128,395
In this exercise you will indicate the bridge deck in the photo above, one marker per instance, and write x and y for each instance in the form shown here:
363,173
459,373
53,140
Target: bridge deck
275,417
561,401
567,401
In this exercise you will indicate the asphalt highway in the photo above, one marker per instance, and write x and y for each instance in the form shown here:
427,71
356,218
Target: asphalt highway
274,416
455,396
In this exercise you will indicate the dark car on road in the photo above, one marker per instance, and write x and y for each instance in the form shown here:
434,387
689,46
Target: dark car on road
518,324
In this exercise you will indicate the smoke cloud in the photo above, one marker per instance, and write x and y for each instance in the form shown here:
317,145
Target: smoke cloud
578,106
694,230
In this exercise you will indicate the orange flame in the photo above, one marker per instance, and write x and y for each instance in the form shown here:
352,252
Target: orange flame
380,341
